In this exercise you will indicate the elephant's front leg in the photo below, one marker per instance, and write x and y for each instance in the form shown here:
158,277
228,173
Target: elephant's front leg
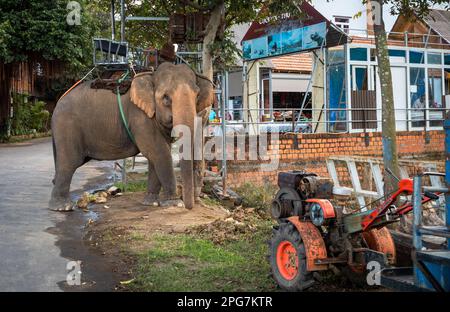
153,187
163,167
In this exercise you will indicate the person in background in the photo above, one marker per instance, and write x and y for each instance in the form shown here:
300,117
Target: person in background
419,102
419,108
212,115
167,53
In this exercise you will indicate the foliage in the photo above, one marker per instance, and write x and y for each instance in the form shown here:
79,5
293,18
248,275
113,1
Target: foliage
132,186
258,197
39,27
224,51
28,116
419,8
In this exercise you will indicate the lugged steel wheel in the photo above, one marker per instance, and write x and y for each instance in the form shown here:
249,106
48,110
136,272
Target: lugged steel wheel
288,258
376,239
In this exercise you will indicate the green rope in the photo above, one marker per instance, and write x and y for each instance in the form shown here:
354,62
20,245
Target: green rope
124,76
122,114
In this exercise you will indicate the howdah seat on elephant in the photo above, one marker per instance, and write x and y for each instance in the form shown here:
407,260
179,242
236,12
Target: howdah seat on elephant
111,84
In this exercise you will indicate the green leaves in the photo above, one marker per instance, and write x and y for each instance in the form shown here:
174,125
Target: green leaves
39,28
6,37
419,8
28,116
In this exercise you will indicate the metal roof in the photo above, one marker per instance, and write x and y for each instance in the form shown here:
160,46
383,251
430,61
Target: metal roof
439,21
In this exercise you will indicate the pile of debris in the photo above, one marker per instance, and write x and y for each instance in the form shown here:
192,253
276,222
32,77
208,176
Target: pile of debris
98,197
239,222
433,214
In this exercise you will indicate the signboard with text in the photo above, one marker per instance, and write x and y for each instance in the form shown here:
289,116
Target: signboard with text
289,41
289,33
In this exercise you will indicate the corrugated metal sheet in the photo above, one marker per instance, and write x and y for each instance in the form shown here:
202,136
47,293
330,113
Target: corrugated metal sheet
364,114
439,21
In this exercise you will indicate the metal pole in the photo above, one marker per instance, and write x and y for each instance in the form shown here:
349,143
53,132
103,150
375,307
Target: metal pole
417,210
447,173
307,90
124,174
224,131
270,95
113,22
122,20
417,221
304,98
147,18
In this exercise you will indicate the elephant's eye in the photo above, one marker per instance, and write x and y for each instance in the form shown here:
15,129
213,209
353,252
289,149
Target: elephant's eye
167,101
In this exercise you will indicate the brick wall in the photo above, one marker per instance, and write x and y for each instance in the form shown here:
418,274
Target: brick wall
310,151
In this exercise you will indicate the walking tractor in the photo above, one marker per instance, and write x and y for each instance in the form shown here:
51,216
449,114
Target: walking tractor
313,234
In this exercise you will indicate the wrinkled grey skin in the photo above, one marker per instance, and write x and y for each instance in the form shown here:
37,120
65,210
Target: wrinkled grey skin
86,124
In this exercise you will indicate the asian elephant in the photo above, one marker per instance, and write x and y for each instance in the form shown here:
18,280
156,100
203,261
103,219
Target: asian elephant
87,124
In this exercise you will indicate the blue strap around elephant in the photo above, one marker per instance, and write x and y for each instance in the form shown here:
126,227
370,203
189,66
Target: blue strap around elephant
122,115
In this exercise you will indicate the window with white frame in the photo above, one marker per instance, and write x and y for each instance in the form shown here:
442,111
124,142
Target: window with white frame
421,85
343,22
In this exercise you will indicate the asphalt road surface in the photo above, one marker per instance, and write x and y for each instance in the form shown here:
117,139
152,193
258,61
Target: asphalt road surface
36,244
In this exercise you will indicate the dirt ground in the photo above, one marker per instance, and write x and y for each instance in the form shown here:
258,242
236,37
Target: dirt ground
127,212
122,226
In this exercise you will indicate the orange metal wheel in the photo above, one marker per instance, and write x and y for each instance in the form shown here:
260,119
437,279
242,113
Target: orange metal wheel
382,241
287,260
376,239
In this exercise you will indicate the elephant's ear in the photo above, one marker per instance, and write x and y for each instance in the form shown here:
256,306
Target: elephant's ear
206,94
142,93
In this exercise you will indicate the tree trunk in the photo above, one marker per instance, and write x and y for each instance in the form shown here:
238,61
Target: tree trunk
217,15
389,139
5,98
215,20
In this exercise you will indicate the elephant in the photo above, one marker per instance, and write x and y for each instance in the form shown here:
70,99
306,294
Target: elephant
87,124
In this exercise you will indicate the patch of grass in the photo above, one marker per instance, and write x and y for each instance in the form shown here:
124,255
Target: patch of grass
210,201
185,263
132,186
258,197
136,236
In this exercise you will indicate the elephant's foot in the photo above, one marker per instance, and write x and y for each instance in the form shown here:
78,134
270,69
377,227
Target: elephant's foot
63,205
172,202
197,194
150,200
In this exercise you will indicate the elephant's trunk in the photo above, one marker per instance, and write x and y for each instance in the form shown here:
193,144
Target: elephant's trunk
187,174
185,118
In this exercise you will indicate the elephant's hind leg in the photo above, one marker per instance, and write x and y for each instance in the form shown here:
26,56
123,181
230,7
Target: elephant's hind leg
60,200
68,160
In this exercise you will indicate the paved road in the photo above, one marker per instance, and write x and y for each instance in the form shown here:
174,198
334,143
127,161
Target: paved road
35,243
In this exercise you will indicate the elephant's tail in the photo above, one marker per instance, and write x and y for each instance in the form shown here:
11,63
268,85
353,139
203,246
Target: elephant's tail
54,156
